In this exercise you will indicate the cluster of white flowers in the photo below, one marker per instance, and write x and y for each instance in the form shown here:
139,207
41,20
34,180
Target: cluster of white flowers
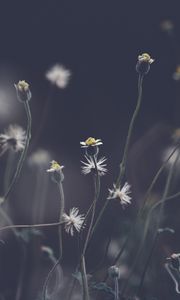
59,76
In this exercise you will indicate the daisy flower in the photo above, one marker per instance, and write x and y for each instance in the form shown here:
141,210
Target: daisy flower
89,166
143,64
91,142
145,57
55,167
13,138
73,221
59,76
23,91
122,194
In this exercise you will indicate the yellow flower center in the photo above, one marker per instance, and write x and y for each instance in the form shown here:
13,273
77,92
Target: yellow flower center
55,165
22,85
90,141
146,57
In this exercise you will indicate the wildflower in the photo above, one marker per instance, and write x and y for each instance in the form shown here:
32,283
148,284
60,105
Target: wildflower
89,166
91,146
176,75
122,194
73,221
143,64
59,76
114,272
56,170
174,260
23,91
13,138
91,142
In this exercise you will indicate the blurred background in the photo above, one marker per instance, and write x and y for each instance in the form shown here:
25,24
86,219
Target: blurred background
98,42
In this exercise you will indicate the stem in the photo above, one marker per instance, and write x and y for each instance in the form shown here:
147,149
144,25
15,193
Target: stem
61,211
147,264
24,152
116,289
31,225
165,193
84,279
143,205
130,129
126,148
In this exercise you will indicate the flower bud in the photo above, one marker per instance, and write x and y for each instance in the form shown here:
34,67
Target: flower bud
114,272
143,64
23,91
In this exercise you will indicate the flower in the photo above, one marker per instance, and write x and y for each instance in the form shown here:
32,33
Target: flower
55,167
59,76
89,166
114,272
145,57
56,171
174,260
13,138
143,64
91,142
122,194
73,221
23,91
176,75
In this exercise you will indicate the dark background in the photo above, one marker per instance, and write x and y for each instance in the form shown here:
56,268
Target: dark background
99,41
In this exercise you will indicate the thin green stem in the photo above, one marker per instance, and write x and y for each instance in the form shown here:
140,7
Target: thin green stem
130,130
116,289
61,211
24,152
31,225
126,148
84,279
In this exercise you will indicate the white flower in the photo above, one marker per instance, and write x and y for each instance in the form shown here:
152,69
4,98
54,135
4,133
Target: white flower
73,221
122,194
91,142
89,166
55,167
59,76
145,57
14,138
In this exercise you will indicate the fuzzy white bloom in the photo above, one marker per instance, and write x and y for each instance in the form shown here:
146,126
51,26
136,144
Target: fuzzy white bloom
122,194
89,166
59,76
13,138
73,221
55,167
39,158
91,142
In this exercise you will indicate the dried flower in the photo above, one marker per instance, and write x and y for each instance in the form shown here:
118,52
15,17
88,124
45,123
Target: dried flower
59,76
143,64
23,91
14,138
122,194
89,166
73,221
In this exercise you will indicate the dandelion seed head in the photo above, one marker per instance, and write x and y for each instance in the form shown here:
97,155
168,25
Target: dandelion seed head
73,221
121,194
89,166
